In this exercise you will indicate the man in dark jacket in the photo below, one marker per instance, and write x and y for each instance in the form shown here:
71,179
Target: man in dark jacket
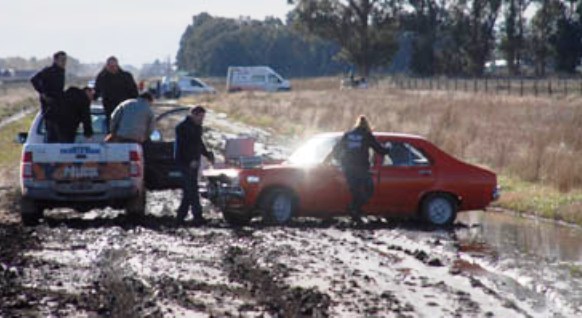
352,151
49,83
114,86
188,150
76,109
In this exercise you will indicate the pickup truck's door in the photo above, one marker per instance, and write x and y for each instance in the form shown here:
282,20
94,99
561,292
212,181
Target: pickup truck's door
160,168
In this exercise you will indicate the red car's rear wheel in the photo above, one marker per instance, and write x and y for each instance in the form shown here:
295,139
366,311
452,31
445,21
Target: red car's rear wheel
439,209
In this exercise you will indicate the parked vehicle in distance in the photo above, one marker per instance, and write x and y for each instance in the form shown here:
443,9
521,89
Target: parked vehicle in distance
261,78
182,85
90,174
416,179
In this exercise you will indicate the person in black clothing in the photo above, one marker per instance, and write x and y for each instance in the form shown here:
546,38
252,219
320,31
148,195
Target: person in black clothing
352,152
49,83
189,148
114,86
76,109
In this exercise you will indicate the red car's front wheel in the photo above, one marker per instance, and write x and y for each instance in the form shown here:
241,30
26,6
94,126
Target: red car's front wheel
280,207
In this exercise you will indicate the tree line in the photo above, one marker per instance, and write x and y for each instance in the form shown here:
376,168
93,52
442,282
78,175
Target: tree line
211,44
448,37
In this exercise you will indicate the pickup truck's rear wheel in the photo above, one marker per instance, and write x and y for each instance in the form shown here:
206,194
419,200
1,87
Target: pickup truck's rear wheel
236,219
136,206
30,212
439,209
280,207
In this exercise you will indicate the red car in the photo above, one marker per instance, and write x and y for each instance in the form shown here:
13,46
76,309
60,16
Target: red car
416,179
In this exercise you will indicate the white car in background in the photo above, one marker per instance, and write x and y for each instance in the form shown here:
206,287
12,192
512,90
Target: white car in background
183,85
260,78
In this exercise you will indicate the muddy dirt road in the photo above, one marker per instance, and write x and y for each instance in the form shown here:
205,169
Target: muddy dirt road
102,264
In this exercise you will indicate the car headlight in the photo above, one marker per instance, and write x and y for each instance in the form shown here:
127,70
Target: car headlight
253,179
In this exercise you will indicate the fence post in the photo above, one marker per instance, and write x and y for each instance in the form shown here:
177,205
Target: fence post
521,86
475,85
508,86
550,87
565,87
486,85
456,84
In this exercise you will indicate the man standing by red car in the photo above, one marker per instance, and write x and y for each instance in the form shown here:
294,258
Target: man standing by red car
189,148
352,151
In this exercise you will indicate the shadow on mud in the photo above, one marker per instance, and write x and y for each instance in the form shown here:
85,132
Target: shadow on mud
163,223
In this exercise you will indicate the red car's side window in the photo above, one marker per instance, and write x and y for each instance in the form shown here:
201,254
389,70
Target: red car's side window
403,154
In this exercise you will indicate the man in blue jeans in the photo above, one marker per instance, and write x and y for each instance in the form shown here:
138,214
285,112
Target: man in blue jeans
189,148
352,152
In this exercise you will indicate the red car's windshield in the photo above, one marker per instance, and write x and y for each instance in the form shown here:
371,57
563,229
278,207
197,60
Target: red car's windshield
314,151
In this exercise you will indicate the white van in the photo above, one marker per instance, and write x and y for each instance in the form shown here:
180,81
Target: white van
261,78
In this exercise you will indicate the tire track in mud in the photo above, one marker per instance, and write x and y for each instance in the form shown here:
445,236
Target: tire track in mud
381,272
19,300
265,286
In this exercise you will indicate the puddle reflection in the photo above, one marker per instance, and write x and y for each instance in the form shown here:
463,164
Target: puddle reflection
541,256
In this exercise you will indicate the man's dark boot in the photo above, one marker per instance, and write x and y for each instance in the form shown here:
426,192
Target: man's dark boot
199,220
180,216
356,216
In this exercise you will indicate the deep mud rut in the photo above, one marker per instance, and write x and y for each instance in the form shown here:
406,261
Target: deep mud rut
102,264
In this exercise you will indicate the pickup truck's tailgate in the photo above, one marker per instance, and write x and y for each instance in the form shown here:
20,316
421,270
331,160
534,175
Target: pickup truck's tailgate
81,162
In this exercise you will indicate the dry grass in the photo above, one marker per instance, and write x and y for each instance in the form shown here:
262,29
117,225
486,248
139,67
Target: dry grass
16,97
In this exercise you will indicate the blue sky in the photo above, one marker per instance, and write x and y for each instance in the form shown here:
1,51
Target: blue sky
136,31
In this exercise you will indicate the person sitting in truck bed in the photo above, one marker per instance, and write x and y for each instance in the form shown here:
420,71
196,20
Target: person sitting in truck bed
132,120
76,110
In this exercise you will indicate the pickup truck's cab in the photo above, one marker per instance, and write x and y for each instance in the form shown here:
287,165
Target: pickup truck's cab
88,173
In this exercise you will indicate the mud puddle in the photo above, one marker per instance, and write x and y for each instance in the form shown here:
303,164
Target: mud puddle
533,259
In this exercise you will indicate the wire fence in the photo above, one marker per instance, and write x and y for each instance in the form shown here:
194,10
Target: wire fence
506,86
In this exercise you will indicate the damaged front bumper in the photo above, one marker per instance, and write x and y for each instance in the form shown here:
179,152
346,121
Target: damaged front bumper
225,196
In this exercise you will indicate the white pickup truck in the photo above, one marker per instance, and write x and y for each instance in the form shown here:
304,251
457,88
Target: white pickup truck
88,174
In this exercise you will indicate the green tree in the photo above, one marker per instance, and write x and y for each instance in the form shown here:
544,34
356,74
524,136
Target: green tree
544,25
364,29
211,44
425,20
513,30
567,39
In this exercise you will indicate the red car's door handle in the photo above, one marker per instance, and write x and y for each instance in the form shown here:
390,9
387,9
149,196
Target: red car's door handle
424,172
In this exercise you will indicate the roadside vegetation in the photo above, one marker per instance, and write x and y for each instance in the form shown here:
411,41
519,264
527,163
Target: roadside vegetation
10,151
15,98
532,143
